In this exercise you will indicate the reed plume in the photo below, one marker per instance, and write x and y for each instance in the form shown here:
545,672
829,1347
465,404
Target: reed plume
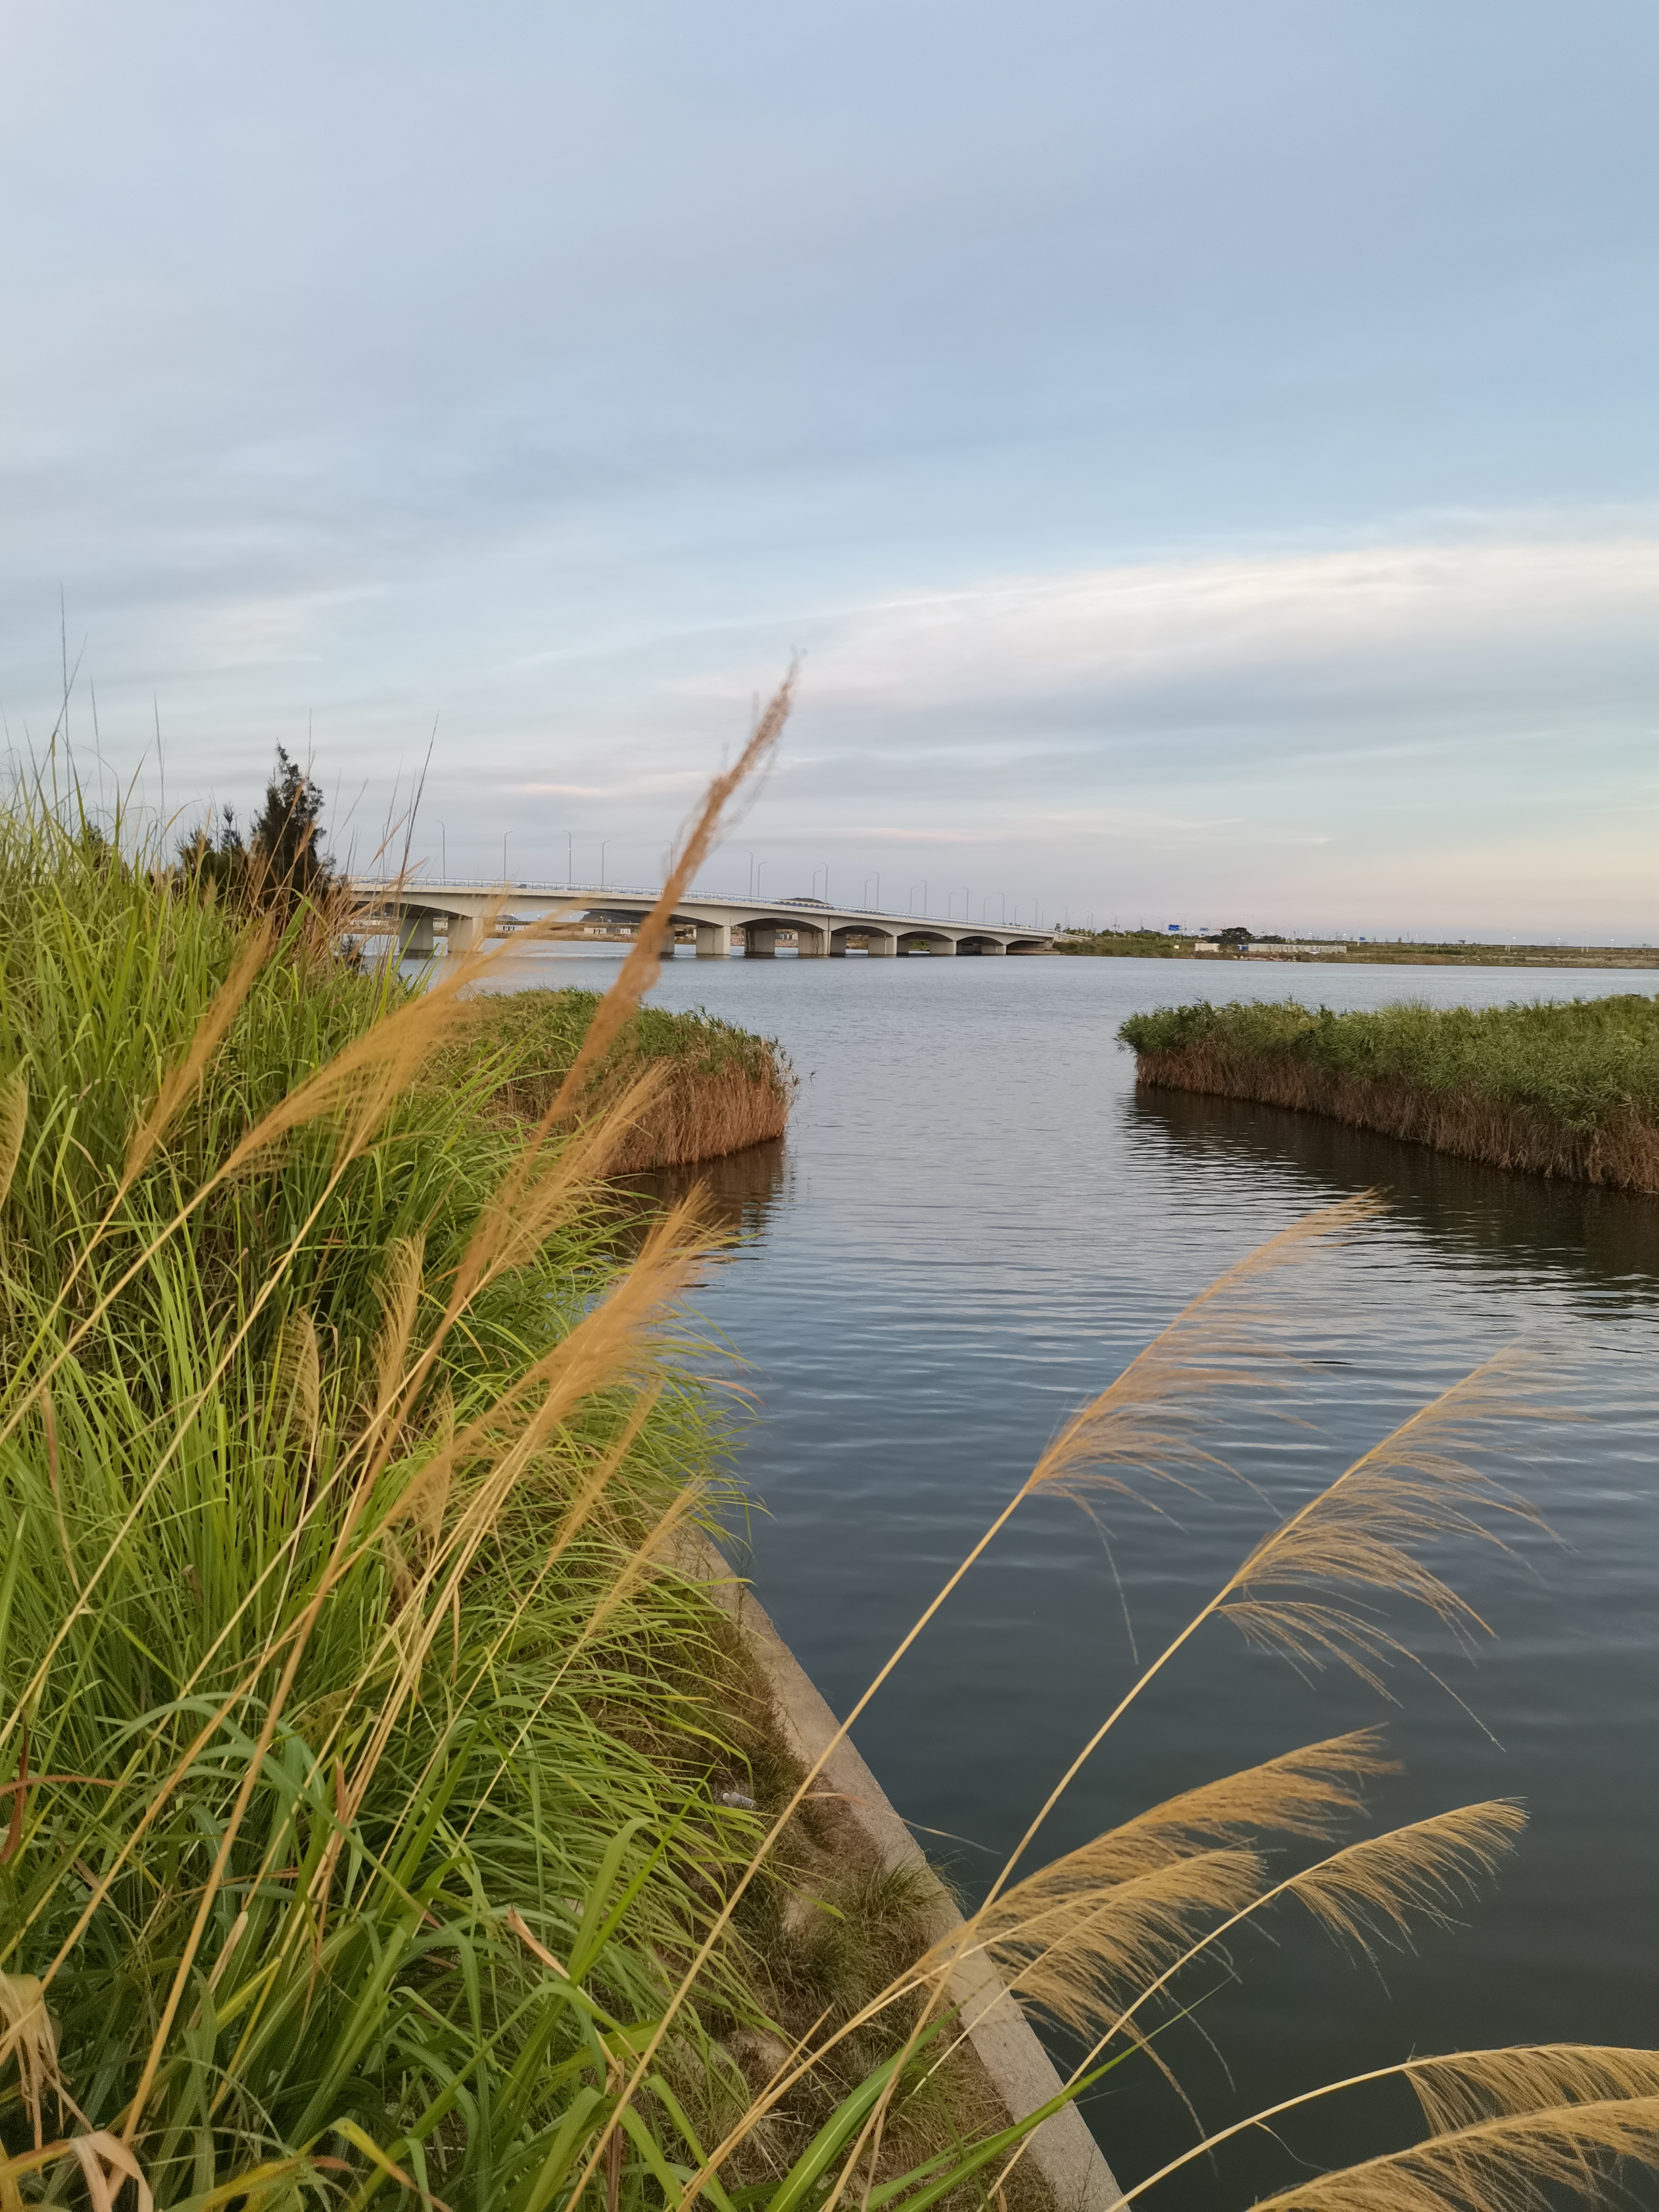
1148,1417
1418,1484
1354,1538
1509,2129
1144,1420
314,1833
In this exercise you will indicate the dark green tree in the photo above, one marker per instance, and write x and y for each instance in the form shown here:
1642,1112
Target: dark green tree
285,842
280,861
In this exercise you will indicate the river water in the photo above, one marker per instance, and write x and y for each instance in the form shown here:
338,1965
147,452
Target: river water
973,1224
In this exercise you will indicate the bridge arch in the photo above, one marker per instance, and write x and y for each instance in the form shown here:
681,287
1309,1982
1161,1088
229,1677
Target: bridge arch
409,907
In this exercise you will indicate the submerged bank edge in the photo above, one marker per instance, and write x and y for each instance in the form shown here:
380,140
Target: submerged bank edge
1622,1154
1002,2040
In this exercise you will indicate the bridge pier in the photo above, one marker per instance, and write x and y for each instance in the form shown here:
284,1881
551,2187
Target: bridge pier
462,910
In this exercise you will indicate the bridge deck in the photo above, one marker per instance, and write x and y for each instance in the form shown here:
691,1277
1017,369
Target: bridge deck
818,924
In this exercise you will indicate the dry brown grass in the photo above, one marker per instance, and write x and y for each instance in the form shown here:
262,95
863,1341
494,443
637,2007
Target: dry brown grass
716,1089
703,1114
1625,1153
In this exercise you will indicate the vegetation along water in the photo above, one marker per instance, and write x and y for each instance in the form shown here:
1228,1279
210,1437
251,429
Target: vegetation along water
388,1819
1237,943
1566,1089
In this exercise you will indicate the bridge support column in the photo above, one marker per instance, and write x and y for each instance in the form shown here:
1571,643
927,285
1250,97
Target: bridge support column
878,945
414,936
838,946
947,945
465,932
989,947
810,943
760,941
714,940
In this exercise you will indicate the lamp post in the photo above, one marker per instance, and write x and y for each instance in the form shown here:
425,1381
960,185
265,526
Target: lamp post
504,838
604,846
569,860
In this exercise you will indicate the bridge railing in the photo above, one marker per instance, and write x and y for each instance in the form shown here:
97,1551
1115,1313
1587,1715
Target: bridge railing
594,893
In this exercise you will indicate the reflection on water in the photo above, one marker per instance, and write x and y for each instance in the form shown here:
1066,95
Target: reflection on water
1606,1240
738,1192
974,1225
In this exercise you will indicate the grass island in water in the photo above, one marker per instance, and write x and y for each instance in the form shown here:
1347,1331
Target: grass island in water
1569,1089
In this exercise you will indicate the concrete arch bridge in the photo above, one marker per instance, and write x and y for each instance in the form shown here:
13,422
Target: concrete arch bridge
821,931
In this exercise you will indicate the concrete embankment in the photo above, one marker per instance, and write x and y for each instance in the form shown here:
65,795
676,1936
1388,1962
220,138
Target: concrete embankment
1623,1152
1017,2069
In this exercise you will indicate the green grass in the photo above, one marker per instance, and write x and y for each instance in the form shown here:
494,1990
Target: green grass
525,1041
1124,943
368,1827
340,1432
1586,1061
1154,944
202,1479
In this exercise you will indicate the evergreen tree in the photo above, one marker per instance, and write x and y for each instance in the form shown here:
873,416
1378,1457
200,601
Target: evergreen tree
285,842
280,860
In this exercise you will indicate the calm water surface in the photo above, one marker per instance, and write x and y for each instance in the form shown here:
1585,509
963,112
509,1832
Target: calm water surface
974,1225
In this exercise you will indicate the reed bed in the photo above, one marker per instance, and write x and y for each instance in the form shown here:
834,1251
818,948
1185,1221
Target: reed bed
718,1089
388,1821
1570,1090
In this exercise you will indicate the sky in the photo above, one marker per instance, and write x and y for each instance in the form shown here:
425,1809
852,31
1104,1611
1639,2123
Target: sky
1204,455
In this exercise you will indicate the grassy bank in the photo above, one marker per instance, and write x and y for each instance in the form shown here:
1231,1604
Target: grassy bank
1412,954
717,1089
1569,1090
330,1445
1125,945
388,1819
375,1782
1151,945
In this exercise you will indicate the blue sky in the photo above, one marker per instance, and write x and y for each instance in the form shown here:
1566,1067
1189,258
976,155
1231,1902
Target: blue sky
1205,453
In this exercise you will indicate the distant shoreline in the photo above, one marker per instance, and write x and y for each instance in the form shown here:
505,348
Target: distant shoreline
1146,944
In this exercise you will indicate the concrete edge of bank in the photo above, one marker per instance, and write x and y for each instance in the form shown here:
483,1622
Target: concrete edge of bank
1020,2069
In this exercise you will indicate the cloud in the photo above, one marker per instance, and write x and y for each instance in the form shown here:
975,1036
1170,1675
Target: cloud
1211,644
